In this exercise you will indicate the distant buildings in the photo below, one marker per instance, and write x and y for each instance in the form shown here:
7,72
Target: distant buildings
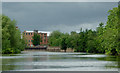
29,34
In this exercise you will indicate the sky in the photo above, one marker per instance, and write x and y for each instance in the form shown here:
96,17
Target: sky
62,16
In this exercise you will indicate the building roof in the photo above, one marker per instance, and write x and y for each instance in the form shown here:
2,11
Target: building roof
48,33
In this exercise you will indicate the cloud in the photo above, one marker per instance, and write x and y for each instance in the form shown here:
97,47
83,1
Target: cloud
63,16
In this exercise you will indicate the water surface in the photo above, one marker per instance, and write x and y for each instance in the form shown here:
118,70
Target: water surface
59,61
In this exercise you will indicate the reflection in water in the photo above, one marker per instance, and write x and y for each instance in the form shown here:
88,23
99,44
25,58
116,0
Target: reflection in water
59,61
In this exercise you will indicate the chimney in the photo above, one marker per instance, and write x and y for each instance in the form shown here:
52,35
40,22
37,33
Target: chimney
35,31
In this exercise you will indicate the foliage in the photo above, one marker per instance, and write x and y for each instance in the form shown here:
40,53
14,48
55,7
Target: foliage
106,39
36,39
54,38
63,43
111,42
11,37
100,38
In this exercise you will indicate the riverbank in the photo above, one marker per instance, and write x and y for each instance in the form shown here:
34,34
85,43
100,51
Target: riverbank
58,49
51,49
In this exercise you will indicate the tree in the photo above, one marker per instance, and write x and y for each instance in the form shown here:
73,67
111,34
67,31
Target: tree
69,41
83,40
118,26
110,34
36,39
55,38
91,42
11,37
99,39
76,42
63,43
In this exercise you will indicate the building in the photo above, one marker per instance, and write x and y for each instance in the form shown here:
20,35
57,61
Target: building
29,34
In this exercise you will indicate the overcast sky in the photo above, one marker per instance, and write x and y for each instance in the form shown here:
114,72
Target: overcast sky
62,16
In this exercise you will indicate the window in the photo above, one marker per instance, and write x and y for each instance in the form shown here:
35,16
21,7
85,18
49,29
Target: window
45,34
44,40
29,40
26,33
44,37
29,33
41,37
41,34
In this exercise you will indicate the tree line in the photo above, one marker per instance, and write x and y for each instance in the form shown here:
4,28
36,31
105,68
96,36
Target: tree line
105,39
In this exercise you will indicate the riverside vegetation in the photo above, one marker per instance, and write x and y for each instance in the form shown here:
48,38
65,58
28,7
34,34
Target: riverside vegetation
105,39
11,37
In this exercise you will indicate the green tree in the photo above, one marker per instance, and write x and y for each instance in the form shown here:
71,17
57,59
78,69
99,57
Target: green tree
75,41
69,41
91,42
118,27
110,34
83,40
63,43
11,37
36,39
55,38
100,38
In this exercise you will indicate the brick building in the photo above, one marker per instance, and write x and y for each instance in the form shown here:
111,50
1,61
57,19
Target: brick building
29,34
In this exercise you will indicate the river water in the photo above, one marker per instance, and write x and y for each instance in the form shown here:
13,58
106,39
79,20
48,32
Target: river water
58,61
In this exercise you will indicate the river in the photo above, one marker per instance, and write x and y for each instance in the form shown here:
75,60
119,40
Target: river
58,61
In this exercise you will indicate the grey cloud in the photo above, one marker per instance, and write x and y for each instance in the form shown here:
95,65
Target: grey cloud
63,16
